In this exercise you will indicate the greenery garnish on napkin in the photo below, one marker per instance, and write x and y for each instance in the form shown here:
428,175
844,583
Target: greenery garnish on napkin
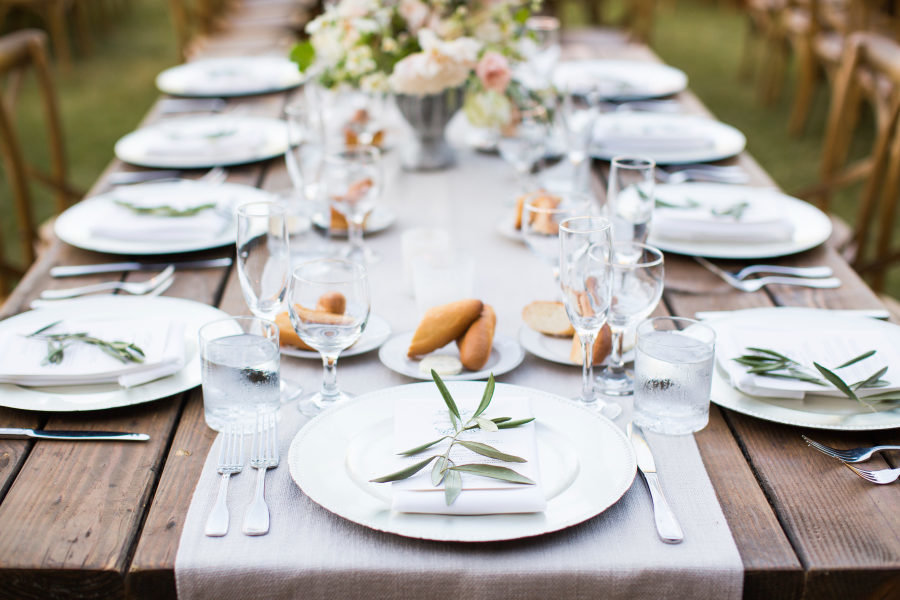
448,472
735,211
165,210
57,343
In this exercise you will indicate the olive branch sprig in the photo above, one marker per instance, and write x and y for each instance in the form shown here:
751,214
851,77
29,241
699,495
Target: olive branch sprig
57,343
165,210
445,469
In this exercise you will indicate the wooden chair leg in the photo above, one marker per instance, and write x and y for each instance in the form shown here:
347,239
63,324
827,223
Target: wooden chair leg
889,197
82,25
56,24
806,84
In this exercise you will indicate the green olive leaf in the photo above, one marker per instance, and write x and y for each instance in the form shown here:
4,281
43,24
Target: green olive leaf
494,472
511,424
445,393
452,486
486,397
424,446
405,473
486,424
437,471
489,451
859,358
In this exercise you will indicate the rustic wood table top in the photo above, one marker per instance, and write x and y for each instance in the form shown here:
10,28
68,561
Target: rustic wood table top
93,520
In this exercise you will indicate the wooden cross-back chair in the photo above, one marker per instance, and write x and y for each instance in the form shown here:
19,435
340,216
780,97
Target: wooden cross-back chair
56,15
194,18
21,52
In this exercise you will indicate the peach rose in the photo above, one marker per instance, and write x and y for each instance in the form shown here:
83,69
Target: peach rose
493,71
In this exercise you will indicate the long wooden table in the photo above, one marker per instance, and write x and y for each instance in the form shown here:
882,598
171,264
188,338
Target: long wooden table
95,520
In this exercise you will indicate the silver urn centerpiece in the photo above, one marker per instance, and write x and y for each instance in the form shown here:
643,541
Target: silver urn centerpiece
428,116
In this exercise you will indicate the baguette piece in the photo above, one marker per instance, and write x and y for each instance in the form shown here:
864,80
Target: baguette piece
286,334
602,347
443,324
547,317
475,344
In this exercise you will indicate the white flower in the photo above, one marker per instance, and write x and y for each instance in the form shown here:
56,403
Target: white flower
359,61
350,9
487,109
462,50
439,66
329,45
365,25
415,13
374,82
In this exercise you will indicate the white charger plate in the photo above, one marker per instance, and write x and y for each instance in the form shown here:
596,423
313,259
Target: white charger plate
74,225
619,80
817,412
587,464
724,140
230,76
377,331
379,219
506,355
146,146
811,226
109,395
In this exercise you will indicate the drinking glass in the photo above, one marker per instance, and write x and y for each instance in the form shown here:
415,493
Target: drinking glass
306,145
352,180
541,49
523,142
327,332
578,114
630,198
673,367
637,285
263,256
240,376
586,287
542,212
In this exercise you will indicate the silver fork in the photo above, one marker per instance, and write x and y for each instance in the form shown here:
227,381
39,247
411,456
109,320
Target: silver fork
710,173
813,272
231,462
753,285
263,456
881,476
850,455
137,288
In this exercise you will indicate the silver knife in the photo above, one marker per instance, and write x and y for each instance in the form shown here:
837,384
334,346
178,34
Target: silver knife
120,436
666,524
75,270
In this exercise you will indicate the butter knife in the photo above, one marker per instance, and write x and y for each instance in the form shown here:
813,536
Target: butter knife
75,270
23,433
666,524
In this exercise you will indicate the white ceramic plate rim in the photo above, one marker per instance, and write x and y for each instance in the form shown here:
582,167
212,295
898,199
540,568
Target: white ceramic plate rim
787,411
393,355
377,331
605,471
172,80
132,147
728,141
658,79
812,226
97,397
73,226
380,219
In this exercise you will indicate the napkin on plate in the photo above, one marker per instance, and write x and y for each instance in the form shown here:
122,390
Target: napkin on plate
214,139
760,221
234,77
829,348
161,340
122,223
637,138
416,420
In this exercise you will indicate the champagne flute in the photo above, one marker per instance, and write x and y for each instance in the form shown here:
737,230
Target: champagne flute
541,49
638,274
328,332
542,212
523,141
352,180
630,199
586,286
578,114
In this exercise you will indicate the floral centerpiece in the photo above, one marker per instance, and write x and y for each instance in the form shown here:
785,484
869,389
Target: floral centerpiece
433,55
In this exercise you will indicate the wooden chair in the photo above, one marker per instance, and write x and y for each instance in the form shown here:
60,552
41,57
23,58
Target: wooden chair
765,47
56,16
193,19
20,52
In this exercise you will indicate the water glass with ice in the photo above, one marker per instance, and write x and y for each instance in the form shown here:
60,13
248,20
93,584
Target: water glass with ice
673,366
630,198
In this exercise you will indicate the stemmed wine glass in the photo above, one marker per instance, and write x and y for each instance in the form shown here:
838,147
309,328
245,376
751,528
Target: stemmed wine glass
328,332
541,49
587,292
523,142
630,198
352,180
578,113
542,212
638,274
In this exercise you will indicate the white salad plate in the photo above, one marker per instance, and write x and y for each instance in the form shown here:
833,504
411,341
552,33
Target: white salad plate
811,226
230,76
506,355
668,139
377,331
66,398
74,225
557,348
817,412
203,142
586,462
619,80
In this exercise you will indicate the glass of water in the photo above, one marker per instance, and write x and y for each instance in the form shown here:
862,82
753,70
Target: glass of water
630,199
328,332
673,367
240,361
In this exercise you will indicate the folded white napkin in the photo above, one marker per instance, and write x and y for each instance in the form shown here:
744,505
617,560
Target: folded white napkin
161,340
122,223
215,139
761,221
419,420
233,76
829,348
651,137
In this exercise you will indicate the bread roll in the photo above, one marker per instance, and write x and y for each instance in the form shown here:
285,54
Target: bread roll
475,343
602,346
443,324
286,334
332,302
549,318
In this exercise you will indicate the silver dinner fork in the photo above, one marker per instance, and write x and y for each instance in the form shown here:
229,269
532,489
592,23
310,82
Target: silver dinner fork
231,462
850,455
753,285
263,456
881,476
709,173
813,272
137,288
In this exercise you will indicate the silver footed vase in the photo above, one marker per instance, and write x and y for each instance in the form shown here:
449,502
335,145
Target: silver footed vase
428,116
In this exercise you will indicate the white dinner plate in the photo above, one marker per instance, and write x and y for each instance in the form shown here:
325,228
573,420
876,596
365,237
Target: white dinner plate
811,226
202,142
683,138
377,331
74,225
506,354
556,348
587,464
619,80
379,219
818,412
110,395
230,76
